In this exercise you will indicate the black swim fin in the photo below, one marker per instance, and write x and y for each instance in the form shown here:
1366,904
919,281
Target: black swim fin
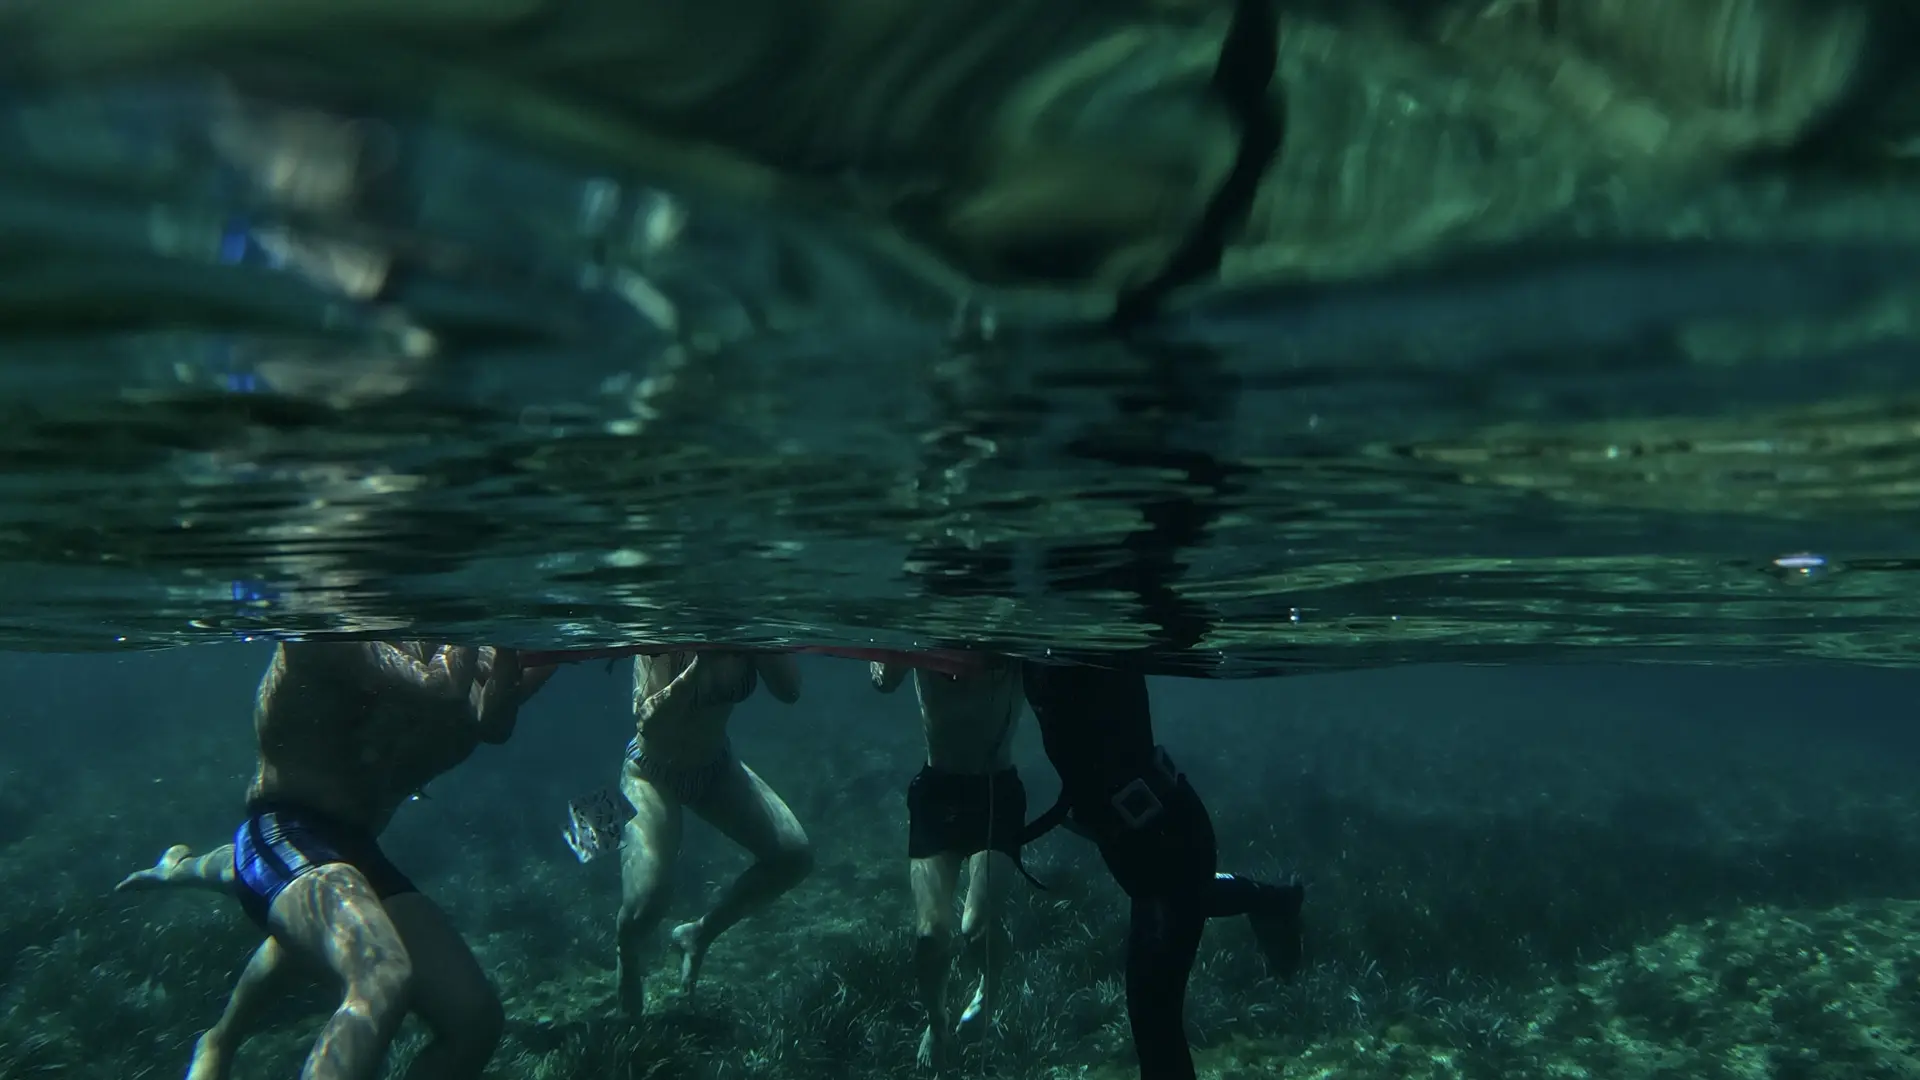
1278,928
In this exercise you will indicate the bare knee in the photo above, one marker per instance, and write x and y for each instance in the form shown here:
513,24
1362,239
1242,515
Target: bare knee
932,899
379,989
975,925
638,914
643,899
932,922
636,902
792,860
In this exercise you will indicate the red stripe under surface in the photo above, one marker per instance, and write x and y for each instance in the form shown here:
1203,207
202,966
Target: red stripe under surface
944,661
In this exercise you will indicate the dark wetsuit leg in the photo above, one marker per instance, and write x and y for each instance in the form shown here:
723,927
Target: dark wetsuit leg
1170,874
1168,870
1098,733
1228,895
1163,938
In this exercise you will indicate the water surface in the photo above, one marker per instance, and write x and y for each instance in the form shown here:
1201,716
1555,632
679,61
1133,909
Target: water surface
1684,430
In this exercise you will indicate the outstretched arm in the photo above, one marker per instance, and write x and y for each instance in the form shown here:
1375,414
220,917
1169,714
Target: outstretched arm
533,678
444,672
497,699
781,675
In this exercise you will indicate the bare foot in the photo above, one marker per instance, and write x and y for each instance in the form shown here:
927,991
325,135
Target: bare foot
211,1061
692,943
159,875
932,1049
975,1011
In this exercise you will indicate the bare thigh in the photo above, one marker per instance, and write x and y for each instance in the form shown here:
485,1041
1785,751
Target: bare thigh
986,882
332,918
751,814
934,879
650,841
450,991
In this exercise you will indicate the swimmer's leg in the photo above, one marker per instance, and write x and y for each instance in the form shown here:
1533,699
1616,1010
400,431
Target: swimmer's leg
933,880
333,916
743,807
176,869
1273,910
263,979
449,992
980,928
649,845
1163,940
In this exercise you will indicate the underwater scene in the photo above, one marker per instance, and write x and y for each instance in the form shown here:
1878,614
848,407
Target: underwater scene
831,539
1510,872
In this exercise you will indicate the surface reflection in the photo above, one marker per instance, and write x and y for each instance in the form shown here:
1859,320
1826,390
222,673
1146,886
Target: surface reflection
1542,335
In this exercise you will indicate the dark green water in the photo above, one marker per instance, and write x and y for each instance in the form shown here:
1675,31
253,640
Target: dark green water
1513,872
1582,425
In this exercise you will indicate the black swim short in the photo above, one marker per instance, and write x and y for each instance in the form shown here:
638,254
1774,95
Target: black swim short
280,843
964,813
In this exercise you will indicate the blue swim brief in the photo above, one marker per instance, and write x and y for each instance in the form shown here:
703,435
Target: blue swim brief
280,843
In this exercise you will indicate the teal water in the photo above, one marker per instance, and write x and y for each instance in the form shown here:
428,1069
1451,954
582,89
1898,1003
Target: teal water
1594,443
546,380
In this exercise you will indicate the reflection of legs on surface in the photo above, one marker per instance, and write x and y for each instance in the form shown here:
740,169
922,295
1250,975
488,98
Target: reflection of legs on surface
749,813
332,915
449,992
649,846
1163,940
987,875
933,881
264,978
176,869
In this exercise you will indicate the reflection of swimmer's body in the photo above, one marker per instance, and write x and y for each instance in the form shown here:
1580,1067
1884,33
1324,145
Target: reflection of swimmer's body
308,164
324,200
317,167
1083,145
966,806
347,733
681,759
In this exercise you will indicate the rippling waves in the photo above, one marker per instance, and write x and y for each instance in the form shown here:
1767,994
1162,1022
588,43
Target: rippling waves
774,427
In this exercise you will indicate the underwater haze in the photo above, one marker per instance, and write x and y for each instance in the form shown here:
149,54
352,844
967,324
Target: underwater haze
1616,873
1494,425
